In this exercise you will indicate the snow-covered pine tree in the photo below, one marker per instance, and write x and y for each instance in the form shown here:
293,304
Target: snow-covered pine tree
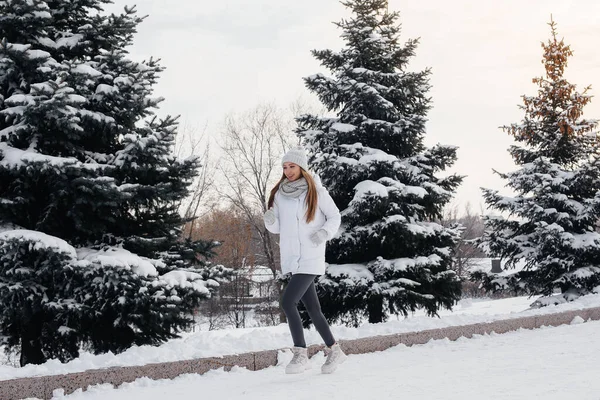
550,222
390,257
90,249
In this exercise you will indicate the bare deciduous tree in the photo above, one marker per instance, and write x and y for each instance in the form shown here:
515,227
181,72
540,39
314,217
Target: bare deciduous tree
193,142
252,146
472,225
231,229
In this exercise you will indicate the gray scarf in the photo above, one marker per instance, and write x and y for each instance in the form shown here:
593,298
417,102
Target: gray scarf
293,189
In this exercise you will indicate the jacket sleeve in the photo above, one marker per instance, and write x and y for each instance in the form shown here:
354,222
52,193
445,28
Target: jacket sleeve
274,228
332,214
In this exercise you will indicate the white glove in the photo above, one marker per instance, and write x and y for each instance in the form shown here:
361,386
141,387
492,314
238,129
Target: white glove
269,217
319,237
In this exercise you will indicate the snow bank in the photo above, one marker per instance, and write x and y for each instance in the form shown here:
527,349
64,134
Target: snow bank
235,341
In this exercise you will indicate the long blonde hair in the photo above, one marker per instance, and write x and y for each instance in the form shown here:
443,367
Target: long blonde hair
311,194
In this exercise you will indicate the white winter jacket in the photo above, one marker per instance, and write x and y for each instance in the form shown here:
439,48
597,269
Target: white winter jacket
299,255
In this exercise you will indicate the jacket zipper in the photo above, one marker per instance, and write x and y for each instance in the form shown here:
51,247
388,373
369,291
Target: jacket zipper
298,228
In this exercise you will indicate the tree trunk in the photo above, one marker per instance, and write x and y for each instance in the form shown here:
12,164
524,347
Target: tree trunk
31,351
282,317
270,253
375,309
31,347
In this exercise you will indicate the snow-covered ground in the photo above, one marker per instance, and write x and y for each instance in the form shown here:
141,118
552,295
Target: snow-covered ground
234,341
548,363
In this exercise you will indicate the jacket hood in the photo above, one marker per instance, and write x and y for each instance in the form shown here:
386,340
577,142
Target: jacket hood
317,179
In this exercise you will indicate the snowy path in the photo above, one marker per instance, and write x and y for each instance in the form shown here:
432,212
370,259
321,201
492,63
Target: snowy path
549,363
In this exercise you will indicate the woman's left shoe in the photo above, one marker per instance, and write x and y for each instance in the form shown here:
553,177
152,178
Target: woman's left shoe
335,357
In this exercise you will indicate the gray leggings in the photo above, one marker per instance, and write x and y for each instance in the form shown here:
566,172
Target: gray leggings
302,287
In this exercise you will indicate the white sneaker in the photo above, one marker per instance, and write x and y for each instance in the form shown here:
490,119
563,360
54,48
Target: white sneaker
335,356
299,362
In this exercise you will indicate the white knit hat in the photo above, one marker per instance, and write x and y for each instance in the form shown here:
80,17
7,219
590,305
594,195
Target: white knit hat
296,156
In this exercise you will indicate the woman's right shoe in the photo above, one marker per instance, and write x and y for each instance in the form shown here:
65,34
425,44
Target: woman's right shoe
299,362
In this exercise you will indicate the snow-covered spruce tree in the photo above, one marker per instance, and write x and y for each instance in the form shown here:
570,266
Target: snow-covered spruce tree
89,228
551,221
389,257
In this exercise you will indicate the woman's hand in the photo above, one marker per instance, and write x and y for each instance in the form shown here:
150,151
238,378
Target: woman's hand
319,237
269,217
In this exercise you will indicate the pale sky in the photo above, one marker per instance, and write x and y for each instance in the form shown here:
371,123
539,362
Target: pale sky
225,56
